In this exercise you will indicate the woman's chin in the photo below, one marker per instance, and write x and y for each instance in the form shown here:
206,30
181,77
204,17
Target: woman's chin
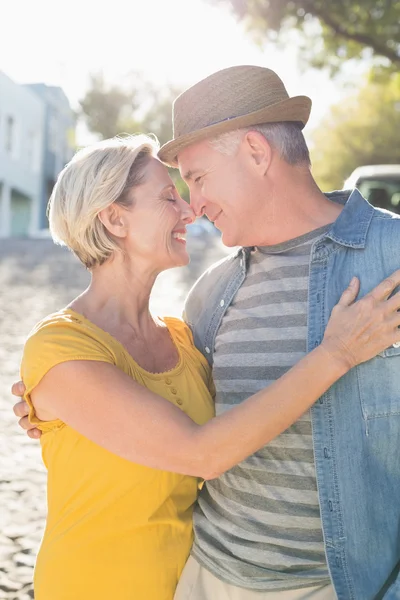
182,260
177,259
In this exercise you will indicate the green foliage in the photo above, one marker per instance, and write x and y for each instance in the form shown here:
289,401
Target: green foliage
110,109
363,130
137,106
105,107
332,30
158,118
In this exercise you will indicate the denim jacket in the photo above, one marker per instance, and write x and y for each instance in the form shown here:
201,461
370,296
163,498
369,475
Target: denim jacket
356,423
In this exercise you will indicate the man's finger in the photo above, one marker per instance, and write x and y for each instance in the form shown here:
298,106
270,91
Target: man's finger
25,424
21,409
34,433
18,389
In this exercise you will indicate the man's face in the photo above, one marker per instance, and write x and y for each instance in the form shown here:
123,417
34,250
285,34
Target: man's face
222,187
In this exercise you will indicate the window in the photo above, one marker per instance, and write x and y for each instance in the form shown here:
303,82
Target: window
382,191
10,135
53,134
32,144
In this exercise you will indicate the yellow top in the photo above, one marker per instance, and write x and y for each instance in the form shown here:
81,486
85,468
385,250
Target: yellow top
115,530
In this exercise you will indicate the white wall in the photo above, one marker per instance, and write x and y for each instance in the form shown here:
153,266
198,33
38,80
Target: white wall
20,165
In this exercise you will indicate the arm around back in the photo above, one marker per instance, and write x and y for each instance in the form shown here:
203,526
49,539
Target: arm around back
108,407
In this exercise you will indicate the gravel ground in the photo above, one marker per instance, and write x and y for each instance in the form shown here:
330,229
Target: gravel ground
37,278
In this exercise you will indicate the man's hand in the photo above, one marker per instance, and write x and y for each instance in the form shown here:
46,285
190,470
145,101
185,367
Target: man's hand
21,410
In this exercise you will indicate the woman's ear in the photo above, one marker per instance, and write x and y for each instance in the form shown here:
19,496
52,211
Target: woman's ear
114,220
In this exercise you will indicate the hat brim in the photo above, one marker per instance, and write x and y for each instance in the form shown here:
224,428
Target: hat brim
296,108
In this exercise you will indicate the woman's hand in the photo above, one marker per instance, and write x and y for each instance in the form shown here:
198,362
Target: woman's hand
141,424
21,410
358,331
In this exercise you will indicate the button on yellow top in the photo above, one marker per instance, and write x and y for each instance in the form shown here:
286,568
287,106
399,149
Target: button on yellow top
173,391
168,381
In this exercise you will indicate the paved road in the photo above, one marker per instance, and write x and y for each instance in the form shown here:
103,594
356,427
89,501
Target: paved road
37,278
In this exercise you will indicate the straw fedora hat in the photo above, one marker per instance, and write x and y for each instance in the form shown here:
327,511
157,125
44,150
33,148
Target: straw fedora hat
229,99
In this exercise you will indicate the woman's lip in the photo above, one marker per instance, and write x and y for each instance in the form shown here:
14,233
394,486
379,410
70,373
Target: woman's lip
178,239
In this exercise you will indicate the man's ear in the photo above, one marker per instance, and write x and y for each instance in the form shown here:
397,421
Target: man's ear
114,220
259,150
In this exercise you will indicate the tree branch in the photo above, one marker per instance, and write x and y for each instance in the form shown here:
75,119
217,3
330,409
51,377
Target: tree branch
361,38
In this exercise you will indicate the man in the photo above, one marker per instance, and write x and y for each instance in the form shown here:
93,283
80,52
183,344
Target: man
315,514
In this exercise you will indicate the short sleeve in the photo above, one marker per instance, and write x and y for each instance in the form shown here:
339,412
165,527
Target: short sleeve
52,342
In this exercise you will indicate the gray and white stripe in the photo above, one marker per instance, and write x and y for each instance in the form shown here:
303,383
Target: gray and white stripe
258,526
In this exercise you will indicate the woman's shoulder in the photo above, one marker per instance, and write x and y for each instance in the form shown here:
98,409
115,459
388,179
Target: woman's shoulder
180,331
68,333
62,319
183,336
69,323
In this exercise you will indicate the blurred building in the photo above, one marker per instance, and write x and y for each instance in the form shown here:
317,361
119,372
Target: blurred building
22,118
58,140
36,140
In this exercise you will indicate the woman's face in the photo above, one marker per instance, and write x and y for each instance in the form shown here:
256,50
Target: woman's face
157,220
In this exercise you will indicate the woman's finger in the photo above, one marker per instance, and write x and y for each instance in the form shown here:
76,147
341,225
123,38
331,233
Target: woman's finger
393,303
350,293
394,321
386,287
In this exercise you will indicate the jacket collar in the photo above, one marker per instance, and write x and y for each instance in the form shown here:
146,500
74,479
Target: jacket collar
351,226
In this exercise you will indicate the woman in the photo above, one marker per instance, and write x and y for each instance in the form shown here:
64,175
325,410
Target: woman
124,399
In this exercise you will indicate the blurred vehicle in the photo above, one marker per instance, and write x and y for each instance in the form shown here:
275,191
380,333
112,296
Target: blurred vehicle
379,184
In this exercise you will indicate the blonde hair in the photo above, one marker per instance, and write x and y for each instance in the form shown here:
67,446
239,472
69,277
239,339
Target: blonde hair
96,177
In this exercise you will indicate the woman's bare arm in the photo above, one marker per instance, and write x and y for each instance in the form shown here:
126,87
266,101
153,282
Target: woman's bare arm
109,408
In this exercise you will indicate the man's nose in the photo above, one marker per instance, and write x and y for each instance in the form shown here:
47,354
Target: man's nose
197,203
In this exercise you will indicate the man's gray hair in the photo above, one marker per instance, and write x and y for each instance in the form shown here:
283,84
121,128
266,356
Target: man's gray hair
286,137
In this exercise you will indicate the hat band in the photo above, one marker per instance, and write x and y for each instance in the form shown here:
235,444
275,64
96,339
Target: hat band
222,120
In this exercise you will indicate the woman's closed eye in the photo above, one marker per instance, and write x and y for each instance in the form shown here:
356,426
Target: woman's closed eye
172,196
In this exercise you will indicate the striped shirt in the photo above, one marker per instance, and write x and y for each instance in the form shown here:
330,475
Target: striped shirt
258,526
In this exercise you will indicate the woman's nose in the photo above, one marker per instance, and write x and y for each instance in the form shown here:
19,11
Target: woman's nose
188,215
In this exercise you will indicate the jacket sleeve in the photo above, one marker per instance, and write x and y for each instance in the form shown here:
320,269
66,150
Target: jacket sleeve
204,298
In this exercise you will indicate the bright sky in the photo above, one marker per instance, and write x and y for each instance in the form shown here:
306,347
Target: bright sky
169,41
